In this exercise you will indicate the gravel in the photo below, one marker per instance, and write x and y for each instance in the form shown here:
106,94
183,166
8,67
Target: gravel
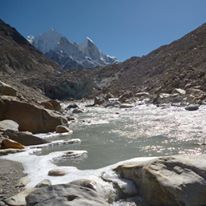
10,173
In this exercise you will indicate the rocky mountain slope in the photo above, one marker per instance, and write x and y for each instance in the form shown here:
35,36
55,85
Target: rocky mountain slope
68,54
19,60
181,64
33,74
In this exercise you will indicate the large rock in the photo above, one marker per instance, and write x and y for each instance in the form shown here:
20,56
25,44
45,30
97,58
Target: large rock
56,172
65,195
125,96
24,138
169,181
72,106
8,124
192,107
62,129
11,144
52,105
29,117
77,111
112,102
99,100
165,98
142,95
19,199
6,89
179,91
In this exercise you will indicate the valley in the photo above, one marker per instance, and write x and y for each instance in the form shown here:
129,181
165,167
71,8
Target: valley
104,132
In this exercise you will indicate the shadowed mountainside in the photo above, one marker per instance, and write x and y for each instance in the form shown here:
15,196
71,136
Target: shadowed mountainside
31,73
181,64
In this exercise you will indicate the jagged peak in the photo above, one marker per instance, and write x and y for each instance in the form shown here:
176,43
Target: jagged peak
88,39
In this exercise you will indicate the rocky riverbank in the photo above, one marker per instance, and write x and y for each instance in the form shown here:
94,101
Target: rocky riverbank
10,174
168,181
125,183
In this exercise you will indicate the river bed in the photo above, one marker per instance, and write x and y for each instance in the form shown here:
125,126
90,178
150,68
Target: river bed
110,135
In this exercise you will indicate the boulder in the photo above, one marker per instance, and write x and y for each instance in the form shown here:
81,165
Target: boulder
44,183
56,172
86,183
52,105
29,117
62,129
77,111
19,199
8,124
192,107
126,105
165,98
195,91
69,118
8,143
179,91
99,100
113,102
24,138
142,95
101,187
23,182
64,195
125,96
7,90
108,96
72,106
169,181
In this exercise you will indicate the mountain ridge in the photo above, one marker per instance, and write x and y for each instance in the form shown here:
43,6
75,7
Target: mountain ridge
69,54
175,65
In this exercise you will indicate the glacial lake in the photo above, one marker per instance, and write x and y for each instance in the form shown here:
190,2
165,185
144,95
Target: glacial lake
110,135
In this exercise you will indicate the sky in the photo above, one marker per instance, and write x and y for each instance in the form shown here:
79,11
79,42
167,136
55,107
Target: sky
121,28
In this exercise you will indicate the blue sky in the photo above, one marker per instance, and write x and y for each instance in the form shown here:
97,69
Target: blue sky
122,28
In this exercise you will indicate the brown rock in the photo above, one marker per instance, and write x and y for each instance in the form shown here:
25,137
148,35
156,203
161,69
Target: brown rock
52,105
125,96
6,89
24,138
29,117
62,129
56,172
7,143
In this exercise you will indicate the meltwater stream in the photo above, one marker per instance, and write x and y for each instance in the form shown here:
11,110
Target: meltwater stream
110,135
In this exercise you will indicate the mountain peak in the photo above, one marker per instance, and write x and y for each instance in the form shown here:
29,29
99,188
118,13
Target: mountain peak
61,49
88,39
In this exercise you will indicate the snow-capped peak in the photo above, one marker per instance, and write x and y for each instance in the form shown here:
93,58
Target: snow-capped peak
30,39
66,52
47,41
89,39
